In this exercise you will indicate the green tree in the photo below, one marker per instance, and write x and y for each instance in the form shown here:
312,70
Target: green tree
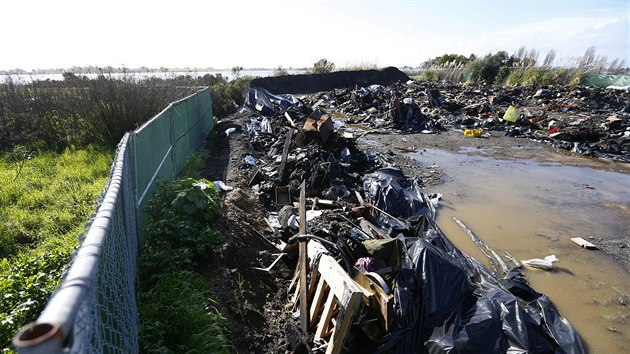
236,71
487,68
447,60
323,66
279,71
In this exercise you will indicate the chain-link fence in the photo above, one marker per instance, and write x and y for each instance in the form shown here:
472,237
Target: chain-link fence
94,308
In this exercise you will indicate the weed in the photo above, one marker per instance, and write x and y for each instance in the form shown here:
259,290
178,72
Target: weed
176,314
19,156
196,163
26,282
240,282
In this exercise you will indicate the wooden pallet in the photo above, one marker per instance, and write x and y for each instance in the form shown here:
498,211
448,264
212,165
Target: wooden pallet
333,300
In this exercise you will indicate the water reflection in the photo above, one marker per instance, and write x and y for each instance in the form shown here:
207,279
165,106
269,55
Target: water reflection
531,208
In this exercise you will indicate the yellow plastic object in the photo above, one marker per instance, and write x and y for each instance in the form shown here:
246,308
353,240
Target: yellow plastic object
512,114
473,133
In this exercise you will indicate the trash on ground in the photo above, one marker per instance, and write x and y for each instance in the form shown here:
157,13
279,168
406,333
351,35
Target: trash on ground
221,186
373,268
546,264
473,133
229,131
583,243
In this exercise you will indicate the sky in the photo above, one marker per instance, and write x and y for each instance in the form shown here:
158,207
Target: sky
39,34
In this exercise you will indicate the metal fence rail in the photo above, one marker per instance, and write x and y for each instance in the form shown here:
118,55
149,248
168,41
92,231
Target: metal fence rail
94,308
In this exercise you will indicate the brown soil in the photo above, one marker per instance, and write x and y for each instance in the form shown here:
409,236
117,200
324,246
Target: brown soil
253,301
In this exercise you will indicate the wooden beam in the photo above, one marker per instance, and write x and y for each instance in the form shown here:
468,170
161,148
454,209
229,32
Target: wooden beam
283,161
324,322
318,297
303,262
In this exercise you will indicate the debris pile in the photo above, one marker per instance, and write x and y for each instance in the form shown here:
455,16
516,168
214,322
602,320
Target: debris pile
373,271
589,121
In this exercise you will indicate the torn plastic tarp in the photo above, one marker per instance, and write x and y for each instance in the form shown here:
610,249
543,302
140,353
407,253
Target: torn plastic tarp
388,189
448,302
259,125
267,103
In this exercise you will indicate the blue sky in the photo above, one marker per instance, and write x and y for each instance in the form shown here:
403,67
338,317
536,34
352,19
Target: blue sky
191,33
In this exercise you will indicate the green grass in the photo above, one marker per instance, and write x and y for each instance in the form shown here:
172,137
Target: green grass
43,206
178,316
47,203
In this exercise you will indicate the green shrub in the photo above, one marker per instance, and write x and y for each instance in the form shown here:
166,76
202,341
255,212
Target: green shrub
176,312
430,75
322,66
196,163
486,69
225,94
80,111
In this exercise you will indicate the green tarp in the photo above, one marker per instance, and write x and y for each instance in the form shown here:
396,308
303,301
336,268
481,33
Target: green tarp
606,80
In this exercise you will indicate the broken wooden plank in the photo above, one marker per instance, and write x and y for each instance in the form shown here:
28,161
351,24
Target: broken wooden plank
359,197
324,321
583,243
283,161
343,322
303,262
316,302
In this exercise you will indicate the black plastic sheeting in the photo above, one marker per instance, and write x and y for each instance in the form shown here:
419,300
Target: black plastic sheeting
388,189
448,302
267,103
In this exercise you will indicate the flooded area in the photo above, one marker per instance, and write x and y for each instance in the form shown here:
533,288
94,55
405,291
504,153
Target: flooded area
531,207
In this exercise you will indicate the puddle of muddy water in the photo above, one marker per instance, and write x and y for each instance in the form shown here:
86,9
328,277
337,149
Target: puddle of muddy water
531,208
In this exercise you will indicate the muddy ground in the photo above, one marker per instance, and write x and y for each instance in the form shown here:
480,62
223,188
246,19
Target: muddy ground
255,301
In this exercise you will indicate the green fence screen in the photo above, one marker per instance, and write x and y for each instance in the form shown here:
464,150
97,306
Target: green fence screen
163,144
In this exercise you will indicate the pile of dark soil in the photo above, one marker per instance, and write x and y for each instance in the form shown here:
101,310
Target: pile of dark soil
309,83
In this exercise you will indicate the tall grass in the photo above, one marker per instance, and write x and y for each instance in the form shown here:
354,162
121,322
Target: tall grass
523,67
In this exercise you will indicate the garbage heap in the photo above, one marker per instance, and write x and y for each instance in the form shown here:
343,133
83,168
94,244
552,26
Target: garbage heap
373,271
586,120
